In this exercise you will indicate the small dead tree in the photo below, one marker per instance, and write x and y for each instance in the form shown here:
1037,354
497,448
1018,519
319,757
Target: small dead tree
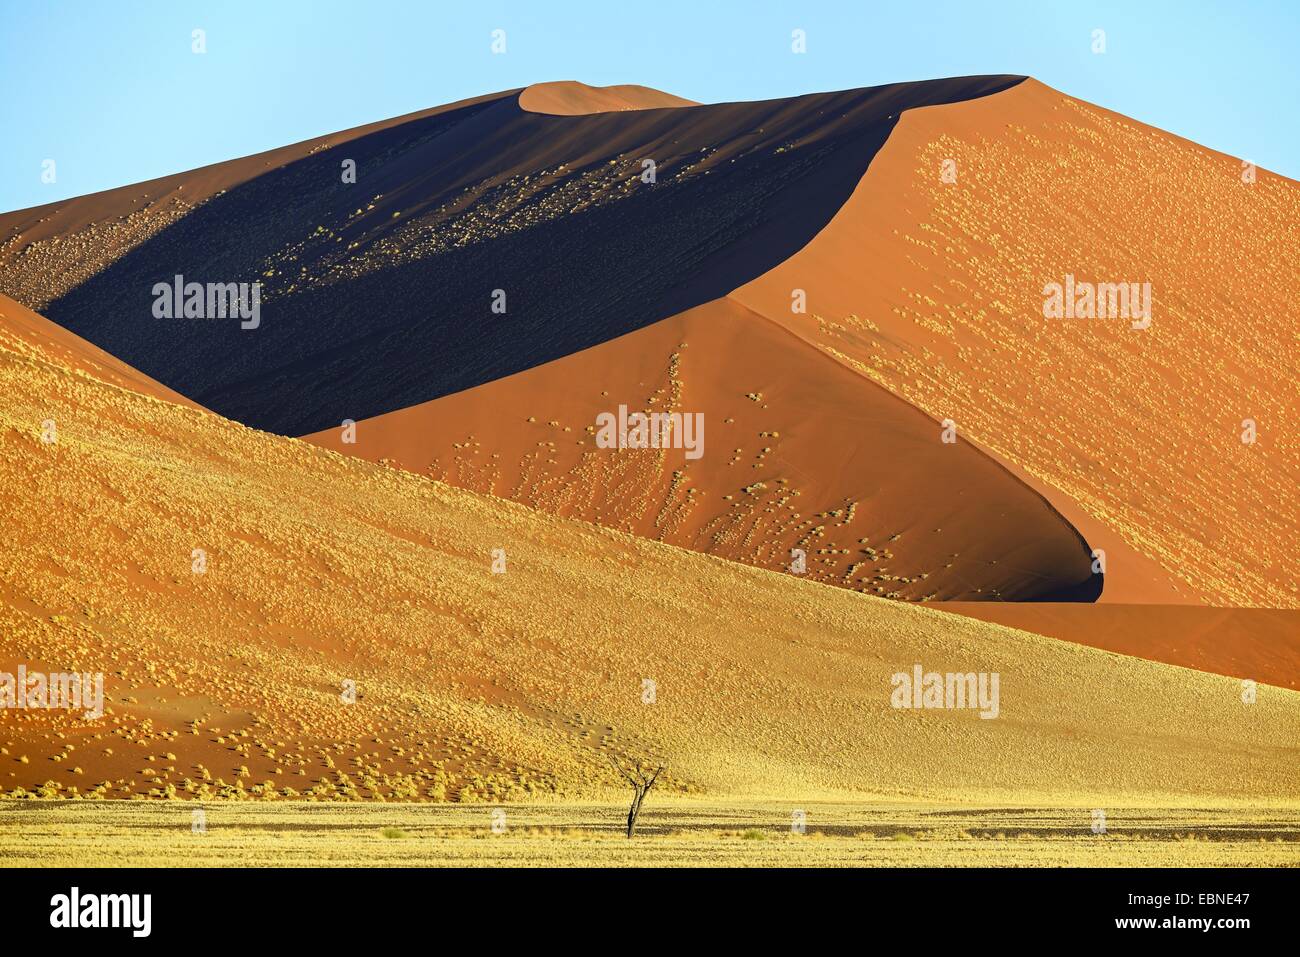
642,776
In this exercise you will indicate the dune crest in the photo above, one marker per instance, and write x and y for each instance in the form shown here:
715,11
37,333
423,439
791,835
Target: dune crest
572,98
549,207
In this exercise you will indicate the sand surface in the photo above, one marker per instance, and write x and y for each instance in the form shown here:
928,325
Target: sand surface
513,606
798,453
1260,644
478,686
571,98
478,240
935,290
672,833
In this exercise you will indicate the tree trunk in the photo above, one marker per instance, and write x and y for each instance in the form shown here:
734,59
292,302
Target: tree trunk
635,810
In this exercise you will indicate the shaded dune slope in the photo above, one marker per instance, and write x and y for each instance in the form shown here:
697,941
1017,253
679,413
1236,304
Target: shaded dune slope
844,484
376,294
798,453
47,251
476,686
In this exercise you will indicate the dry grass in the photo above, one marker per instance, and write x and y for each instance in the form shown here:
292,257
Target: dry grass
674,833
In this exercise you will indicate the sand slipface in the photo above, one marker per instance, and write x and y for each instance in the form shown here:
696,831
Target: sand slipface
373,291
348,638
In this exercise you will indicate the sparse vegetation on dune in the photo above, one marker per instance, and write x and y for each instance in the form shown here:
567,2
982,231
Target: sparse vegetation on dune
837,472
474,687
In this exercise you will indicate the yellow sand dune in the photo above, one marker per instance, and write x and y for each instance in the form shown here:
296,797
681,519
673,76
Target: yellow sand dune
322,570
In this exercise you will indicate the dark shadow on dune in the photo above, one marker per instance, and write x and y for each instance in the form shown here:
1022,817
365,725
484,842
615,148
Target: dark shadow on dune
1088,590
413,332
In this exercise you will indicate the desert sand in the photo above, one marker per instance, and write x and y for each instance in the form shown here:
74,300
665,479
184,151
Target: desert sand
472,685
473,604
935,290
1258,644
870,287
799,453
674,833
454,213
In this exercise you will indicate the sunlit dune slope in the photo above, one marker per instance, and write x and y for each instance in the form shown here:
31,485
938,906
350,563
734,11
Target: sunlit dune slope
473,685
798,452
477,241
933,285
569,98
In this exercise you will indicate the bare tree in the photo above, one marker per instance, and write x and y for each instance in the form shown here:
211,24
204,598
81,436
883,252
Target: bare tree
641,777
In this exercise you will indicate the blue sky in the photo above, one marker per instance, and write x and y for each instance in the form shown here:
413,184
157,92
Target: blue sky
113,93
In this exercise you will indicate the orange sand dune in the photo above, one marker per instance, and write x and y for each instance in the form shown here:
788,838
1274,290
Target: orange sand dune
935,289
930,288
570,98
349,639
1262,644
80,237
799,453
376,288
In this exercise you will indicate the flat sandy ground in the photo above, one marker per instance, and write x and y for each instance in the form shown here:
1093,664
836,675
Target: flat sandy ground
676,833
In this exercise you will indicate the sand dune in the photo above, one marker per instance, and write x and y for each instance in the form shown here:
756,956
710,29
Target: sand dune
927,288
396,275
861,484
884,312
473,685
49,250
25,332
935,290
1260,644
799,453
323,571
571,98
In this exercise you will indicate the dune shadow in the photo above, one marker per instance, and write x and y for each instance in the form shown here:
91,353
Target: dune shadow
423,327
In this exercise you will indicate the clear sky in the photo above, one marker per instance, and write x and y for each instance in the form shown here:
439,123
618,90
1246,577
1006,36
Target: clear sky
112,92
